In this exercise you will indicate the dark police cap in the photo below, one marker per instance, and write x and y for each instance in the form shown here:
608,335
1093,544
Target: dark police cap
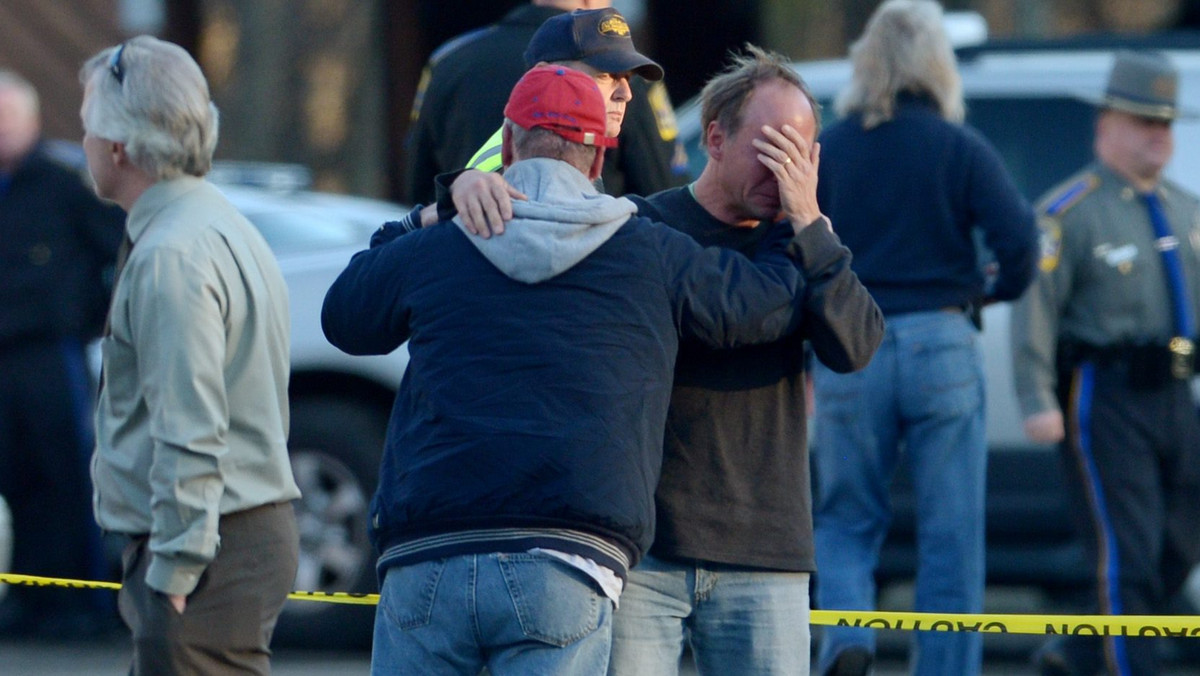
1145,84
598,37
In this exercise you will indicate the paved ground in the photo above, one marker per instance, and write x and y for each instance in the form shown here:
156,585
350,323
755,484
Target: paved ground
45,659
111,659
98,659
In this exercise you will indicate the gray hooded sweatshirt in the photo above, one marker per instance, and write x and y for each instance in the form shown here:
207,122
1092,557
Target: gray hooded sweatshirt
564,220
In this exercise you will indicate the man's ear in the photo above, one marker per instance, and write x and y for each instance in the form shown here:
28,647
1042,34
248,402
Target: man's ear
597,164
118,154
506,153
714,140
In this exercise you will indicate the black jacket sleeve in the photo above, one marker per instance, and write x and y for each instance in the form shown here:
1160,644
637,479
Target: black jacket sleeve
1006,219
724,299
840,319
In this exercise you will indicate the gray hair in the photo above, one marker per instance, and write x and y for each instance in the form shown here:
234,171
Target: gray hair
160,110
903,49
542,142
12,80
724,96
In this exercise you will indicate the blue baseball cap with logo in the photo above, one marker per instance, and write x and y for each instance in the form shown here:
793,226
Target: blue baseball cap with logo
598,37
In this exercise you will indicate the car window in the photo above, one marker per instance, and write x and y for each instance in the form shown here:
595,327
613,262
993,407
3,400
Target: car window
298,232
1042,140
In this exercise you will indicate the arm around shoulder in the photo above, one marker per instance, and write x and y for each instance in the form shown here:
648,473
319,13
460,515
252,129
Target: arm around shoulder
724,299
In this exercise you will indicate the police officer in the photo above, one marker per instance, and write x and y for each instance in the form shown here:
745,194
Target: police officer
460,102
1104,346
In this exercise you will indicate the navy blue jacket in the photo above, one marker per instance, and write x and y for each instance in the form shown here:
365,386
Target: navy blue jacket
542,406
58,243
907,197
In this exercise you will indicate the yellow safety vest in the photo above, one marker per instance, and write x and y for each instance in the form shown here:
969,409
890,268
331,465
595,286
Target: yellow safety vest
488,157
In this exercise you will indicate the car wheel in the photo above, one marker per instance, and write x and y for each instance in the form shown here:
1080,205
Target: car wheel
334,447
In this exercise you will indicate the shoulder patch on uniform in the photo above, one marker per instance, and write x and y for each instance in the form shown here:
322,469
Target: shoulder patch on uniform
664,114
419,97
1069,194
1050,241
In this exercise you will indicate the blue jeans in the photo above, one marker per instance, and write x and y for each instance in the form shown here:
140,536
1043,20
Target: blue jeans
516,614
737,621
923,394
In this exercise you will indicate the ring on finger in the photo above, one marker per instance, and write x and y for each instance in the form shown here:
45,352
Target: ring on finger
787,160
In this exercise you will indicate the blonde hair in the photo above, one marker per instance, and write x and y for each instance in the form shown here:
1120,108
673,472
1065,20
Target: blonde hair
903,49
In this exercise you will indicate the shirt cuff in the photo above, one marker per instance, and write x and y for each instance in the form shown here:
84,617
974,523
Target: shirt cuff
445,202
171,575
817,247
393,229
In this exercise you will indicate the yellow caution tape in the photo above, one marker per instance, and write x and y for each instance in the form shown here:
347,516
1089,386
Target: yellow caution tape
35,581
326,597
1080,625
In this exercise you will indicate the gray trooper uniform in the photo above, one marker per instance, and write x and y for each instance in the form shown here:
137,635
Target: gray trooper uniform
1095,336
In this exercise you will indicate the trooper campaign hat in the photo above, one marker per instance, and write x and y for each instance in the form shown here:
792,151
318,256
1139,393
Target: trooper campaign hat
598,37
1145,84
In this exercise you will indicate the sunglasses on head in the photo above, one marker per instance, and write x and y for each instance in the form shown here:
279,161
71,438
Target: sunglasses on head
115,67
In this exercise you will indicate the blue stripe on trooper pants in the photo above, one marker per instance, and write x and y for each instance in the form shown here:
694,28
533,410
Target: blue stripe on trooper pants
1109,566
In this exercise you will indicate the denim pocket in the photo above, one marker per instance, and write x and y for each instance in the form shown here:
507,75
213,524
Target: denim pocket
555,603
947,372
409,591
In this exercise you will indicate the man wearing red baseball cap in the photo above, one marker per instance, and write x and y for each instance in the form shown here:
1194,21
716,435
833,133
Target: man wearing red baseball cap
517,482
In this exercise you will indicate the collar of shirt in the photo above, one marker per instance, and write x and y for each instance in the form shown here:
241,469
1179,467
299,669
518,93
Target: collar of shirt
155,199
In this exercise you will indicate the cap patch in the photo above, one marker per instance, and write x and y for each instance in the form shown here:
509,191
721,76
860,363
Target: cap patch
614,26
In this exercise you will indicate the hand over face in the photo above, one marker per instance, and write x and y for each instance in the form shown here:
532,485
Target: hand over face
794,163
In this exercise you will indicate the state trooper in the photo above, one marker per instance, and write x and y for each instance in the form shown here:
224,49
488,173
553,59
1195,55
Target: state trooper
1104,349
482,66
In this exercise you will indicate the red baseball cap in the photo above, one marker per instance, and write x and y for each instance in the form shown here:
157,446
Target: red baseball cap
563,100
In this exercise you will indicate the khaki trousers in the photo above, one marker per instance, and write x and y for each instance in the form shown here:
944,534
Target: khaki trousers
227,625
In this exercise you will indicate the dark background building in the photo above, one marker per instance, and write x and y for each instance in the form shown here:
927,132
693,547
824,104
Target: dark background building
329,83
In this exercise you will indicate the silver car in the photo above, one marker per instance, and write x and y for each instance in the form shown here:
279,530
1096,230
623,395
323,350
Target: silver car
339,404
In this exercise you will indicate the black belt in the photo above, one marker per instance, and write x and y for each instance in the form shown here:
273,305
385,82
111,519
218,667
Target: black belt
1147,364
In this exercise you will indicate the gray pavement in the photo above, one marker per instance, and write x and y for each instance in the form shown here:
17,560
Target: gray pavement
112,659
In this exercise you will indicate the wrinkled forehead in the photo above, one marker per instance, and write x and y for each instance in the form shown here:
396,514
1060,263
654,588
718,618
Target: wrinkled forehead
776,103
